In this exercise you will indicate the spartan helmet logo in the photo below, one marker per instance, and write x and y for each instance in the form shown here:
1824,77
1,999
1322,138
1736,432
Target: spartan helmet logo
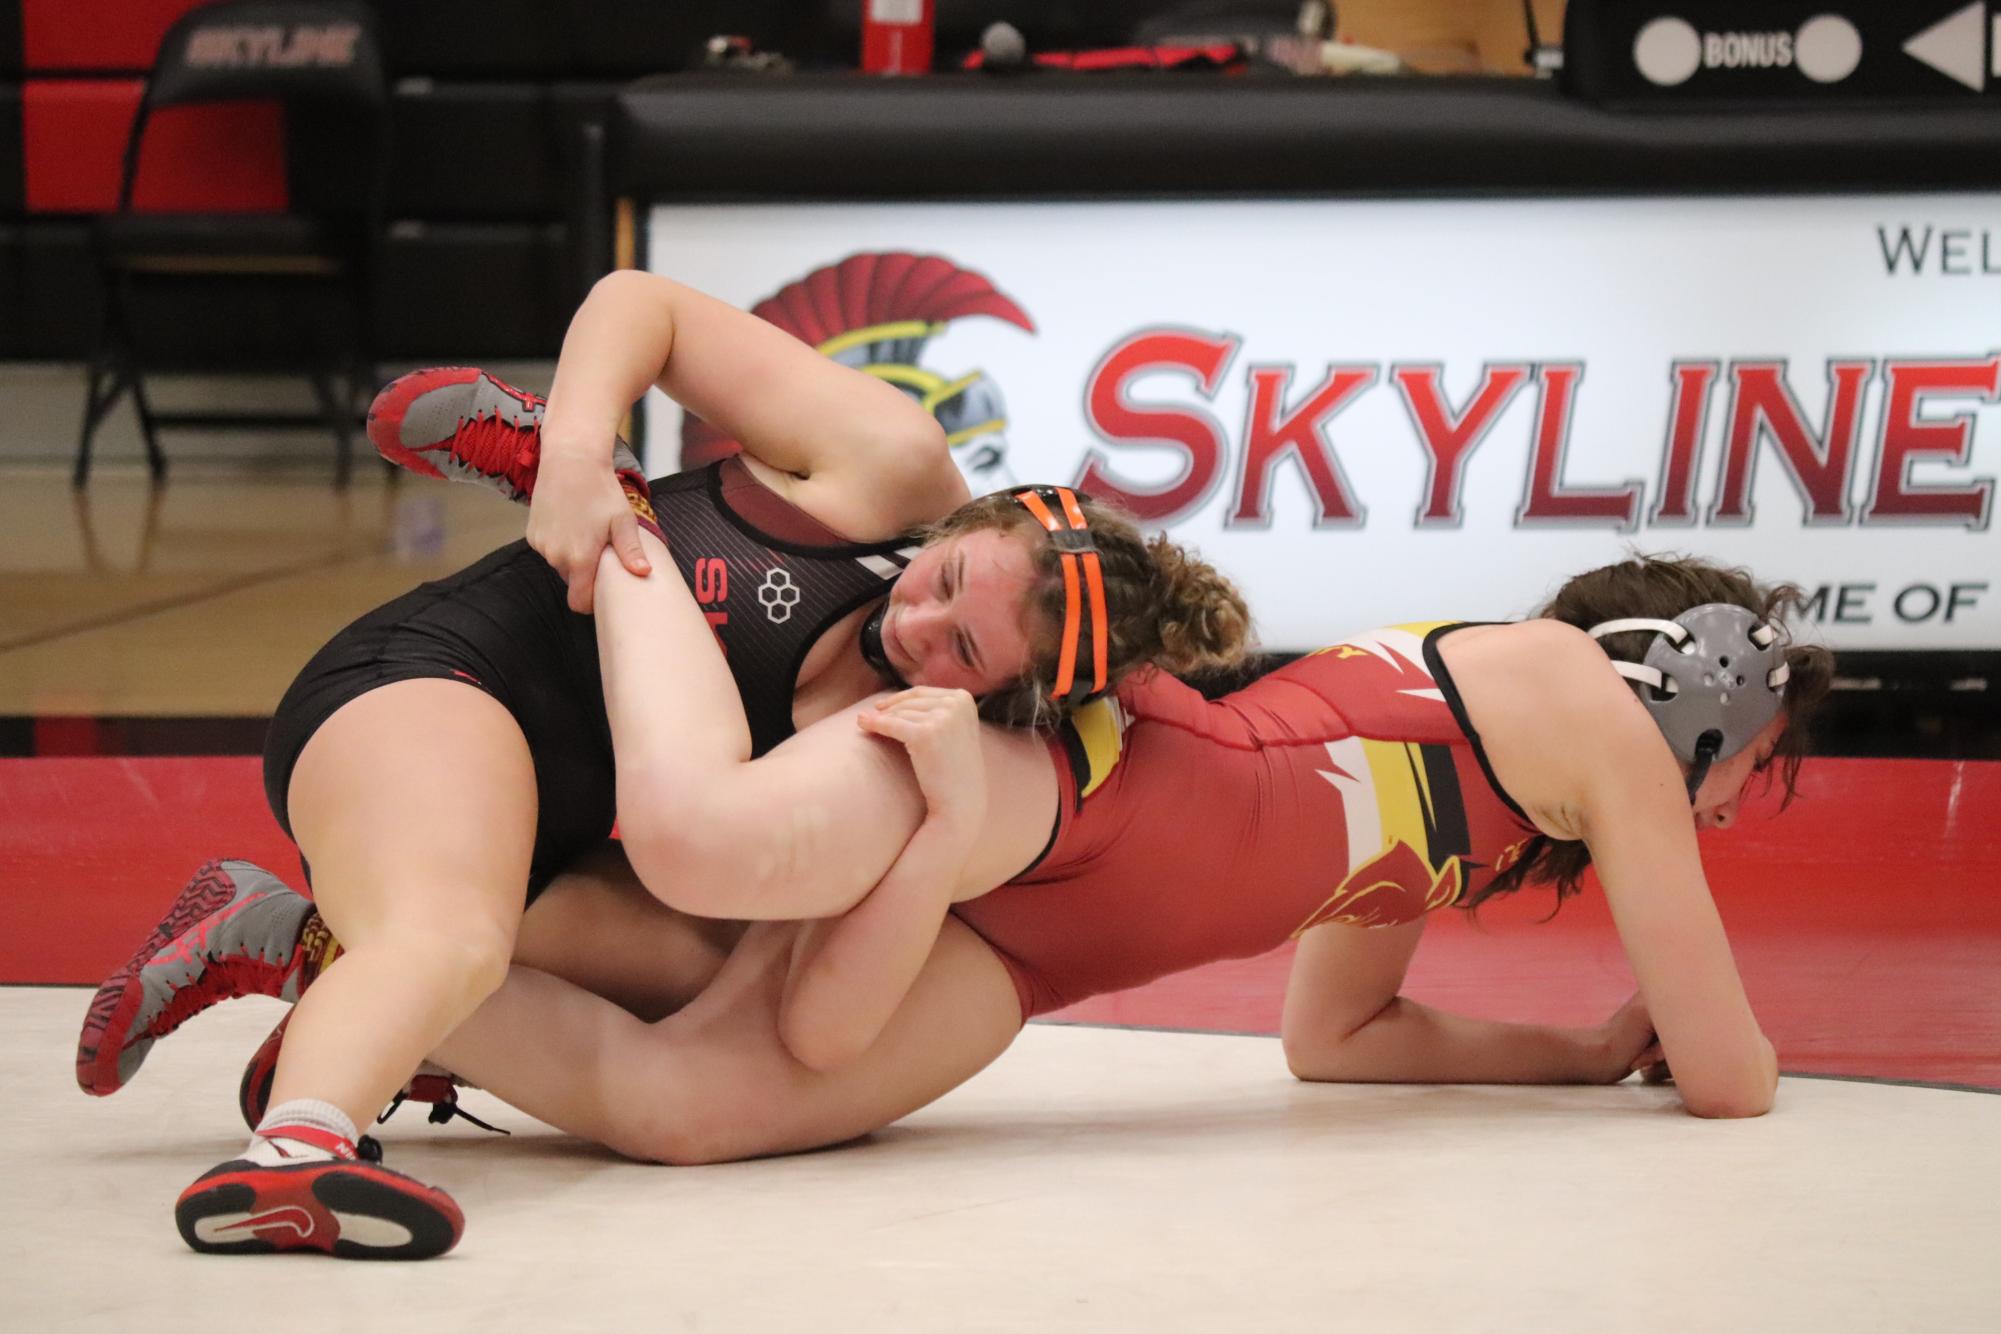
875,312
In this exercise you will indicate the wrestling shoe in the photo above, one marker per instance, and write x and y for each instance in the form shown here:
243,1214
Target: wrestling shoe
301,1188
431,1084
461,423
234,930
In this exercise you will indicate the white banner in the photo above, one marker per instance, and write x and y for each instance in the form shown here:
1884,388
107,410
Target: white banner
1370,412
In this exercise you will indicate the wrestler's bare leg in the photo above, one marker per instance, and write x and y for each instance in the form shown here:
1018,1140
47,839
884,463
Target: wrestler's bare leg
598,927
420,878
714,1082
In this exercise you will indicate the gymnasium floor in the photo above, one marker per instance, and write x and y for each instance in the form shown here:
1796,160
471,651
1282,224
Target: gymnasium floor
1145,1162
1092,1179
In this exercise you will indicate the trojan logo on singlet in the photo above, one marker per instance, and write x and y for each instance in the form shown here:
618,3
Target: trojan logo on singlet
1407,828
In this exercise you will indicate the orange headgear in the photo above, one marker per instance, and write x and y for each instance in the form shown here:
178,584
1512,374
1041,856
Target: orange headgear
1057,510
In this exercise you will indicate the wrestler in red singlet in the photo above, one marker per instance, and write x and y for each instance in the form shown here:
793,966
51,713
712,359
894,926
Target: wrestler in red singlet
1345,787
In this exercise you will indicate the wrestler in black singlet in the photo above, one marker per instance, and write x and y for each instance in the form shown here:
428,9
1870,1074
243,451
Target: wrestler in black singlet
770,578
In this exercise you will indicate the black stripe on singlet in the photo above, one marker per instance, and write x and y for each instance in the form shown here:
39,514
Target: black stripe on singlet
1079,758
1448,834
1443,680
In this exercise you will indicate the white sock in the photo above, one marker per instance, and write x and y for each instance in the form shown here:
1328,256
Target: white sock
268,1148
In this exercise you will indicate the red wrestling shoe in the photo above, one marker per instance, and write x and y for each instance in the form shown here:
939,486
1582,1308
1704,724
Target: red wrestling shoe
234,930
253,1092
461,423
431,1084
303,1189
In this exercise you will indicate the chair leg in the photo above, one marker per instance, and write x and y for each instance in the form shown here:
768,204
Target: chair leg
120,337
336,414
107,385
94,408
94,397
149,431
363,376
360,386
104,380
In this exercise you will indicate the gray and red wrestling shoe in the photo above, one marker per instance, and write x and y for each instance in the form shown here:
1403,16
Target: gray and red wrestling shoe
299,1188
461,423
233,930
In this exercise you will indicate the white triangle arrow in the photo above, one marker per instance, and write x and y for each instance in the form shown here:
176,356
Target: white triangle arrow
1955,46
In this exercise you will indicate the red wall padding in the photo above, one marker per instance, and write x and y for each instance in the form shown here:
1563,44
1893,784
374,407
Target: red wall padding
1865,919
89,847
96,34
211,159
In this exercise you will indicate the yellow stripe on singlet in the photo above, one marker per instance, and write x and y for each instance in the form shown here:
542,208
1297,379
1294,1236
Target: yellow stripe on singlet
1400,787
1402,802
1101,730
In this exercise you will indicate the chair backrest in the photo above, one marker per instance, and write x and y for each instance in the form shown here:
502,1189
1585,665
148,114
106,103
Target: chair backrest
321,60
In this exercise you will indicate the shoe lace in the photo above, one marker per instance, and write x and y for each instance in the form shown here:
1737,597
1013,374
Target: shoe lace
497,447
221,980
444,1107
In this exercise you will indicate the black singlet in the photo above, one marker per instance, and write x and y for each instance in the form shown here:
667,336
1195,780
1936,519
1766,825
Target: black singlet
770,577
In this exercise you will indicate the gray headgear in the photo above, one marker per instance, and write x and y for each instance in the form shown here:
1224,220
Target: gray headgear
1714,678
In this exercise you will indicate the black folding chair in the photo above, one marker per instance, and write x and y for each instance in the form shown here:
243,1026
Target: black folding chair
321,63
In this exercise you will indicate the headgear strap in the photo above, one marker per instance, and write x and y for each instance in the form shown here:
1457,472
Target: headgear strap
1057,510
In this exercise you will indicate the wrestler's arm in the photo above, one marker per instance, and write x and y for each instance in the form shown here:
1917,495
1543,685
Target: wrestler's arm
1345,1018
793,408
849,975
803,831
1583,757
877,463
1634,815
689,794
808,829
1346,1021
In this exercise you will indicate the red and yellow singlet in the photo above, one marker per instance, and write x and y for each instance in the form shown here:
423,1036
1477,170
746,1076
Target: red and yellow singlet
1344,787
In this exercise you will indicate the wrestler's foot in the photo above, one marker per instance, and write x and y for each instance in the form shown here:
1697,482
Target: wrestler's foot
234,930
431,1084
300,1188
462,423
